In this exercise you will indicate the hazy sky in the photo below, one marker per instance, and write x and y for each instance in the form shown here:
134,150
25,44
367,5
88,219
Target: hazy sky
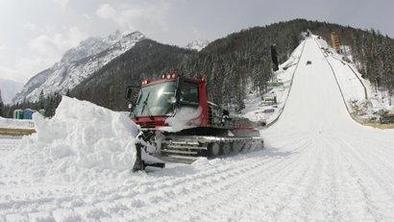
35,33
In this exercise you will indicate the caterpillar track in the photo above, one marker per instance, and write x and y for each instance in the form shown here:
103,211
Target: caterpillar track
188,149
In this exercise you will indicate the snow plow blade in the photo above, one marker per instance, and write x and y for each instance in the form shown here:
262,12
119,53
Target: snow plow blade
143,160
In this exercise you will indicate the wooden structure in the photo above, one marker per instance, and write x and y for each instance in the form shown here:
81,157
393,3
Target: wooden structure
336,44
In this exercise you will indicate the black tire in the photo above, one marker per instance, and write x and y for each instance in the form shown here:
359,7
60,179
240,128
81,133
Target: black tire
227,148
238,146
248,145
214,150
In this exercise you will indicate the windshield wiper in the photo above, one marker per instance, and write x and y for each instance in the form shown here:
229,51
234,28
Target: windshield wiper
146,105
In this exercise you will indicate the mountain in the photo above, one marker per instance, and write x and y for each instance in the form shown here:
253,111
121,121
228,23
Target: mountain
146,59
233,63
230,63
197,45
9,89
78,64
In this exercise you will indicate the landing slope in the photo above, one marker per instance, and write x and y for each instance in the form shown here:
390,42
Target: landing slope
342,170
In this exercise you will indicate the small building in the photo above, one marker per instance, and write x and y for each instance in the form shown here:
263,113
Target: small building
28,114
335,42
18,114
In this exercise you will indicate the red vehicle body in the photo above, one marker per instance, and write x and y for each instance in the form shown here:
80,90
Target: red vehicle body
158,121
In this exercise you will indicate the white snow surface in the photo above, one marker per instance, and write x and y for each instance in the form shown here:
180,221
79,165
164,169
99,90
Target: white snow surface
318,165
197,44
183,119
16,123
351,84
8,143
78,64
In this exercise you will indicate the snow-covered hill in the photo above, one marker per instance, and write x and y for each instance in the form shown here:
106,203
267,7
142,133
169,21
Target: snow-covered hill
9,89
197,44
77,64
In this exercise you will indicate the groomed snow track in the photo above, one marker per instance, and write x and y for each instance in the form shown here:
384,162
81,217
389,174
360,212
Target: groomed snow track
319,165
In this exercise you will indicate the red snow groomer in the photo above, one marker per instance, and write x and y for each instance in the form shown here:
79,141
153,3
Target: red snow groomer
179,124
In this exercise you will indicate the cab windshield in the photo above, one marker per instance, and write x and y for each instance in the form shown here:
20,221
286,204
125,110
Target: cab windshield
156,100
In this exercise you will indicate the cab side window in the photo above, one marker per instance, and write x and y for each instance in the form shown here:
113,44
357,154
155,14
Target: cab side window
189,93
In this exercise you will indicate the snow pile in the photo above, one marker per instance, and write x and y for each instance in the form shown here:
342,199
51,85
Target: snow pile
81,136
197,44
183,119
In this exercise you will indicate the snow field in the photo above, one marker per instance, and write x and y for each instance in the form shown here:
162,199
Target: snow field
16,124
8,142
350,84
346,173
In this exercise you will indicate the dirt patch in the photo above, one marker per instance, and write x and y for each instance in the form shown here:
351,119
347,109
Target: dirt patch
16,132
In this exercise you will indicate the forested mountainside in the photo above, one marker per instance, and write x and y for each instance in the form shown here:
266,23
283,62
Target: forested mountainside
234,61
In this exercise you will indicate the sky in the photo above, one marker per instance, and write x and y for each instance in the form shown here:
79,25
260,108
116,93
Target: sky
34,34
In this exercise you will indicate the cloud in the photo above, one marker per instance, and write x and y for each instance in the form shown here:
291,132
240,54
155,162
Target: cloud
106,11
45,50
9,73
87,16
62,3
55,44
148,16
30,26
22,70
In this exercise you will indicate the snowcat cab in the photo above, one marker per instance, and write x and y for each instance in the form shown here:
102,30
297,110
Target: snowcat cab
179,124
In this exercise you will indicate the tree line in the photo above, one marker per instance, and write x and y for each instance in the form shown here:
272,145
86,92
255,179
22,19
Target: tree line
374,54
46,104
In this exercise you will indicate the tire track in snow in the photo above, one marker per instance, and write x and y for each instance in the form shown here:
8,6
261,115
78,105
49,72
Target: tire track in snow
360,186
48,203
225,200
218,192
375,186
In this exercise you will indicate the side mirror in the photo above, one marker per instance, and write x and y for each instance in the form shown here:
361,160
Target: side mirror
177,96
129,93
